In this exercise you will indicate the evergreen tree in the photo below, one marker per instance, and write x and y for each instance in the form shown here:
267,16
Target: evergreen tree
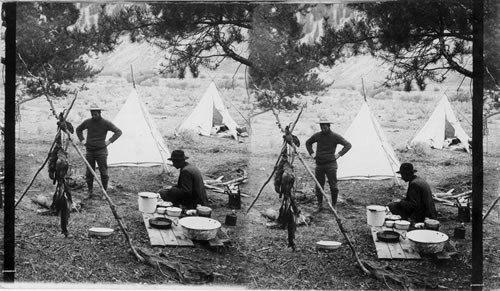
51,52
423,40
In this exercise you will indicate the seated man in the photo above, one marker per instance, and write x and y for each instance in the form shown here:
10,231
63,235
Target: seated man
190,189
418,203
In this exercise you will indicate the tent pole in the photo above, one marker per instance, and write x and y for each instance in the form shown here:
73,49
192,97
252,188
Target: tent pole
132,73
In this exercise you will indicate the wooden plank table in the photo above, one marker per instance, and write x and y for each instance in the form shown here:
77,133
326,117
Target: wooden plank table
401,250
175,236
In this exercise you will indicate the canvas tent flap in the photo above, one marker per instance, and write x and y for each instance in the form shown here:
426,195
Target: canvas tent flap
202,119
441,121
141,144
371,156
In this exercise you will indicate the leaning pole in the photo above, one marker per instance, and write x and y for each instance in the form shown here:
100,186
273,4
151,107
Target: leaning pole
477,146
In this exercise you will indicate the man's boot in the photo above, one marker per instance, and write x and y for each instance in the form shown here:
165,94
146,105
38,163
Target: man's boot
105,187
335,195
320,201
90,191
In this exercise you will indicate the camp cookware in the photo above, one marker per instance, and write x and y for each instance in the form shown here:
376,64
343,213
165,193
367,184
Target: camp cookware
231,219
174,211
203,211
199,228
402,224
431,224
328,245
388,236
393,217
160,222
161,210
147,201
389,223
100,231
427,241
375,215
164,204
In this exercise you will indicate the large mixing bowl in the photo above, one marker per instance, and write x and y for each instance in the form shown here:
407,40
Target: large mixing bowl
199,228
427,241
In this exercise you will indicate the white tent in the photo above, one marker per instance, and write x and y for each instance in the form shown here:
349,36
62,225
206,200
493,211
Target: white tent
442,125
209,112
141,144
371,156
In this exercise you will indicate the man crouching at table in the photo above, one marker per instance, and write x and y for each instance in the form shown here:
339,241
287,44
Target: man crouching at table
190,189
418,203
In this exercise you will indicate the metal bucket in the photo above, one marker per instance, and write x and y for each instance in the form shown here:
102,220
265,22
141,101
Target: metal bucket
375,215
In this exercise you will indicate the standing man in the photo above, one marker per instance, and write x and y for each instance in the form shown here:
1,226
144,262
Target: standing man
96,145
190,189
418,203
326,160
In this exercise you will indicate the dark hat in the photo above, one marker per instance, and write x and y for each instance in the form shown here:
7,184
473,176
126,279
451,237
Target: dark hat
406,168
178,155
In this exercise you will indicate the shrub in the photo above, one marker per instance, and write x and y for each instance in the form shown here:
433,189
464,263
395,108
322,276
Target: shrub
226,84
187,136
420,149
460,97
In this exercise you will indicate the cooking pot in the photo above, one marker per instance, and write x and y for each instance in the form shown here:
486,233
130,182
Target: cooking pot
402,224
147,202
160,222
199,228
431,224
204,211
375,215
427,241
174,211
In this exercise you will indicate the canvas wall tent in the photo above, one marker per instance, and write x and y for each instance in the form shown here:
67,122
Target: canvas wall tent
371,156
209,112
141,144
441,125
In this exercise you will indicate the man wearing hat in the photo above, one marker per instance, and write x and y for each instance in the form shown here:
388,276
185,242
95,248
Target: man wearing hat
326,159
190,189
418,203
96,145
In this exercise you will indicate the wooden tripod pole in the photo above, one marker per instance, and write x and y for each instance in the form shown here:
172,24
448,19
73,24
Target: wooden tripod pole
35,175
111,204
339,222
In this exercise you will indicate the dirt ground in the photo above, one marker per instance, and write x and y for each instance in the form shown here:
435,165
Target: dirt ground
257,256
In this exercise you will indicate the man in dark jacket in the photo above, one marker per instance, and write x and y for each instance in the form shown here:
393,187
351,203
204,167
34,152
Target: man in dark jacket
418,203
96,145
190,189
326,159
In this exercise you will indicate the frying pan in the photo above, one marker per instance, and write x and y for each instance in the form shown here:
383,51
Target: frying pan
388,236
160,222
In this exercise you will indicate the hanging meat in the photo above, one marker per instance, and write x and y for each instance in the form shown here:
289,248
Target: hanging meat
284,182
58,170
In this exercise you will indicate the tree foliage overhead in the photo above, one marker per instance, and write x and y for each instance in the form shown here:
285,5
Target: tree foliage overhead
423,40
51,55
203,35
281,64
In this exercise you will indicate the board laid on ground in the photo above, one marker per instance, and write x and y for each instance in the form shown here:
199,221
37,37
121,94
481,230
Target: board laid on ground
174,236
401,250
